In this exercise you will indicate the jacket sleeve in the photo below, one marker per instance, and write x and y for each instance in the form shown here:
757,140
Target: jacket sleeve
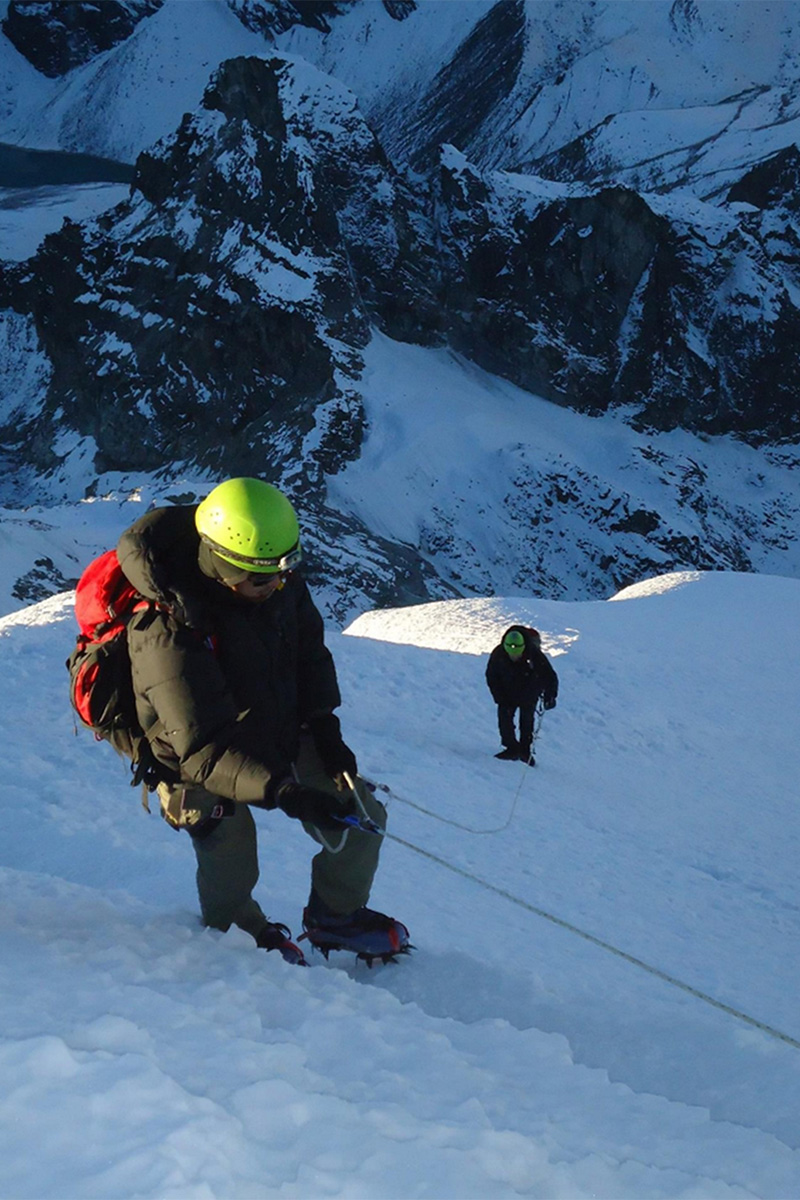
178,683
493,678
548,680
317,686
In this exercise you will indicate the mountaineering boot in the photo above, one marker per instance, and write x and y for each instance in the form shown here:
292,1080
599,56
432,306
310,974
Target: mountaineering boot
367,933
510,754
526,756
275,936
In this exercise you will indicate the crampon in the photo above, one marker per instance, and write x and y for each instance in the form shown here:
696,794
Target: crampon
275,936
369,935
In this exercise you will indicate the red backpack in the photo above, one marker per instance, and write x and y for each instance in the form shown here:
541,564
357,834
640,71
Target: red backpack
101,687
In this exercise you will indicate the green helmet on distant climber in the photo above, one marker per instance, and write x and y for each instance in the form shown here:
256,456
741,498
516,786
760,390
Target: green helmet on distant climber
250,524
514,644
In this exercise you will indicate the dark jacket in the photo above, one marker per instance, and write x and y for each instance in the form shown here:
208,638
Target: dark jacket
229,682
520,684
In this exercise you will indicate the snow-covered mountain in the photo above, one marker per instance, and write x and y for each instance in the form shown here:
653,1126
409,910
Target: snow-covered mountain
612,226
509,1056
505,294
500,491
656,93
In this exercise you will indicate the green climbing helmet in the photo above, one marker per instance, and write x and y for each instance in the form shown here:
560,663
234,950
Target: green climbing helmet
514,644
250,524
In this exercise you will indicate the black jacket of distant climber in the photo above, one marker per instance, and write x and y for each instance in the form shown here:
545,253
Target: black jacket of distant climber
520,684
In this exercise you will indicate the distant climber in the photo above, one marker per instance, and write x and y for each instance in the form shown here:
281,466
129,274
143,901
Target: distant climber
519,674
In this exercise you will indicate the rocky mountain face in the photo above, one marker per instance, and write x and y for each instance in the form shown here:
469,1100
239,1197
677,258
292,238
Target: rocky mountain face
59,35
273,17
685,313
218,318
231,295
56,37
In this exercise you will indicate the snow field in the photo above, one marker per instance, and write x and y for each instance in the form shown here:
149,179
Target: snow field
143,1056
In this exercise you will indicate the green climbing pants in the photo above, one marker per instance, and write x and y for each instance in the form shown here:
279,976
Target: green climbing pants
225,845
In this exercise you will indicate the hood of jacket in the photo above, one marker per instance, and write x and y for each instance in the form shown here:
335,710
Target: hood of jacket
158,554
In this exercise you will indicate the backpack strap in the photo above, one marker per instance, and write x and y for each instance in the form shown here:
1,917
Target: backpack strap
147,770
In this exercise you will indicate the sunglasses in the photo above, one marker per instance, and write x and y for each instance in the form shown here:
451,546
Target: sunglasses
262,581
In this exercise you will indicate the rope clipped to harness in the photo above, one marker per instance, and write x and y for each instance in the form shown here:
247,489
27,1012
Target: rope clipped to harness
360,820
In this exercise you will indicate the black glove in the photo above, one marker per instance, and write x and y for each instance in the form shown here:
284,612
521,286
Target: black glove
337,757
309,804
549,702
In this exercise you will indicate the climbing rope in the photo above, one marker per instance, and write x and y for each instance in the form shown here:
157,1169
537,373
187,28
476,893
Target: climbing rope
448,820
664,976
603,945
458,824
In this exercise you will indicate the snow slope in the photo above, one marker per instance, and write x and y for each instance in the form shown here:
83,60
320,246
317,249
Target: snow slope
666,94
142,1056
22,88
127,98
27,215
502,491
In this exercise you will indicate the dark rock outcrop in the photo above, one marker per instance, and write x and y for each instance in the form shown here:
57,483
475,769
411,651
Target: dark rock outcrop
773,183
55,37
686,314
42,580
231,295
273,17
216,318
469,88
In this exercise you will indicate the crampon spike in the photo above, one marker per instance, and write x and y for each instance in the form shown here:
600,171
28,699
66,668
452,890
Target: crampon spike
369,959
